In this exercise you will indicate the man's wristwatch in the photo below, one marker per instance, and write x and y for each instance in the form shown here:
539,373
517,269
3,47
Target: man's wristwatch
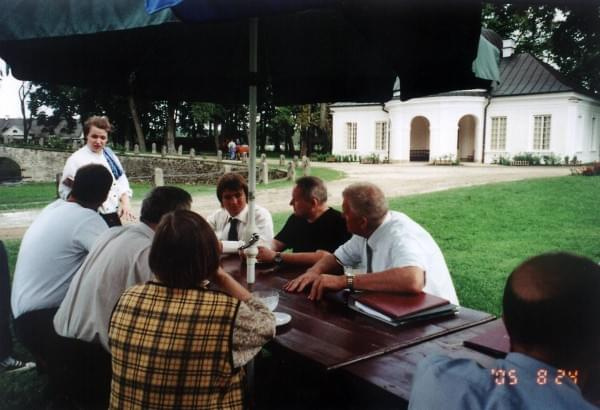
350,282
278,259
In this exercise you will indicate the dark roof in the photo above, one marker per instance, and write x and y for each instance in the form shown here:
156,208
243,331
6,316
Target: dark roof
6,123
523,74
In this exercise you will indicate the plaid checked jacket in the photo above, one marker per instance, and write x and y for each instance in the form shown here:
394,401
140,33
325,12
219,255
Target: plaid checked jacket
172,348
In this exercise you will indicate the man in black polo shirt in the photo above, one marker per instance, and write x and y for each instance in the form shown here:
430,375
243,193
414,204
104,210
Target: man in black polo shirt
314,227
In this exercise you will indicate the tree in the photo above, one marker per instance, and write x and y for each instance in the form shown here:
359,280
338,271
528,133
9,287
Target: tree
576,47
135,116
530,27
264,133
567,37
69,103
24,92
170,134
283,127
207,114
314,123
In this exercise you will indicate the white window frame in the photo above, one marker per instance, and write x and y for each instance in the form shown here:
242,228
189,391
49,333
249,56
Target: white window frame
498,133
542,132
351,135
381,135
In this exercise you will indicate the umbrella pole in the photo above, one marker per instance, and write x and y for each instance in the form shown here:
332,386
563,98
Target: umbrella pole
252,251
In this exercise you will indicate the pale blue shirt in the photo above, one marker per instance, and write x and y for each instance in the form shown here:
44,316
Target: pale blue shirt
399,242
51,251
517,382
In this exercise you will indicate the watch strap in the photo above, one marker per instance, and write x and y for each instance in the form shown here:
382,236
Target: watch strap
350,282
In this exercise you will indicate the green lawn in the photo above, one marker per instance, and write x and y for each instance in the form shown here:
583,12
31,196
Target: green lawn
484,232
26,195
39,194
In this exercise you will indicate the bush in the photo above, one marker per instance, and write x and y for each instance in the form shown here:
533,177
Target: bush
529,157
551,159
502,160
57,143
588,171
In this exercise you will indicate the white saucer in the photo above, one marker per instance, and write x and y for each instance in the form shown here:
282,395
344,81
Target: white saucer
281,318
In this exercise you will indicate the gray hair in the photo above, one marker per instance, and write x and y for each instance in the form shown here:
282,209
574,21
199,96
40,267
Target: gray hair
367,200
312,187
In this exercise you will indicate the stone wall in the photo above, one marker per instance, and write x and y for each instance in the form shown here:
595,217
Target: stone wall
43,165
36,164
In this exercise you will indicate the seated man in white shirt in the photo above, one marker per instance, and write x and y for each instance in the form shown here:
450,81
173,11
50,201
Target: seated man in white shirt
231,220
397,254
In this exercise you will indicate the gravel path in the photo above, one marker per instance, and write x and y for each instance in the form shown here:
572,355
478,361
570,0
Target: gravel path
394,179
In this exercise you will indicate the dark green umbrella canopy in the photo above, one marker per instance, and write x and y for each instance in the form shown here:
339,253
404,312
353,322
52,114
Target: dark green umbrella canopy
318,52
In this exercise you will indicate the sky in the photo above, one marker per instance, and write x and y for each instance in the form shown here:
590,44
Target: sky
9,96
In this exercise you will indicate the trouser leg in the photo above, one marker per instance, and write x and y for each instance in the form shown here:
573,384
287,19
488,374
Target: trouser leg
35,331
5,333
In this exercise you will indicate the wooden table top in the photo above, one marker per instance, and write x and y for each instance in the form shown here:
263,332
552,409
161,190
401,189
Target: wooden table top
394,372
332,335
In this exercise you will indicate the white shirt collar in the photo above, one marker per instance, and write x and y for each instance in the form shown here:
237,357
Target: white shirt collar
89,150
380,231
243,215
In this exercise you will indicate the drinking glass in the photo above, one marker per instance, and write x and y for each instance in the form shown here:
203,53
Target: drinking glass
268,297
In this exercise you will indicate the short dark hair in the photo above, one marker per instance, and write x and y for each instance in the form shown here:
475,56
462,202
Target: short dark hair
162,200
91,185
312,187
98,121
231,182
552,301
185,250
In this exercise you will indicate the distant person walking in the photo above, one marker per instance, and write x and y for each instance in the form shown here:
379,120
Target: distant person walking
95,151
232,149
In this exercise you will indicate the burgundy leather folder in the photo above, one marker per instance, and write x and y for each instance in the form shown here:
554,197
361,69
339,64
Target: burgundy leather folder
493,341
398,306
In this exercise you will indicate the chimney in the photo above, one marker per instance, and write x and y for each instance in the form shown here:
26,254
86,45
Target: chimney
508,47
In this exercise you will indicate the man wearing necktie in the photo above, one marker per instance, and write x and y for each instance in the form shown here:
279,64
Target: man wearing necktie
396,252
230,221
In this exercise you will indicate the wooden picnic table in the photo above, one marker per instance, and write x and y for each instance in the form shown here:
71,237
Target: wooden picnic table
393,373
332,335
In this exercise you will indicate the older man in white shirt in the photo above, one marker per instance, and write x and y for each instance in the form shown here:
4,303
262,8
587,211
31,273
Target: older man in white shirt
397,254
231,220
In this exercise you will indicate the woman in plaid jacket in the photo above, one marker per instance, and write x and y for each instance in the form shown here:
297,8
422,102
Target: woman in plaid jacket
175,343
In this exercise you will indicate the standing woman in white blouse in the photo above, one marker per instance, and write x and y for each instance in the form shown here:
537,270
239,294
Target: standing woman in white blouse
116,206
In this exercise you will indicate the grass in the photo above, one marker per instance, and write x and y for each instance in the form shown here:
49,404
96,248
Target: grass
26,195
39,194
484,232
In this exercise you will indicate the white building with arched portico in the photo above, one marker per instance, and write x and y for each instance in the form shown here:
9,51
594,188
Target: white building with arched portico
533,110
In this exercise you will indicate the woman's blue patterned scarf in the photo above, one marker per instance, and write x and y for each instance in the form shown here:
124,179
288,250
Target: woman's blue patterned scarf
112,162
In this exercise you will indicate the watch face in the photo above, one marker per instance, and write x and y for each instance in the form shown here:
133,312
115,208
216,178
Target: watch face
278,258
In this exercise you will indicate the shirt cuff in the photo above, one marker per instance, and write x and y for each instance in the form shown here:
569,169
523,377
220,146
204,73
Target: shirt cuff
231,246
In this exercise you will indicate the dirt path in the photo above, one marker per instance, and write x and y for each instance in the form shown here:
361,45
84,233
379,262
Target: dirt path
394,179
